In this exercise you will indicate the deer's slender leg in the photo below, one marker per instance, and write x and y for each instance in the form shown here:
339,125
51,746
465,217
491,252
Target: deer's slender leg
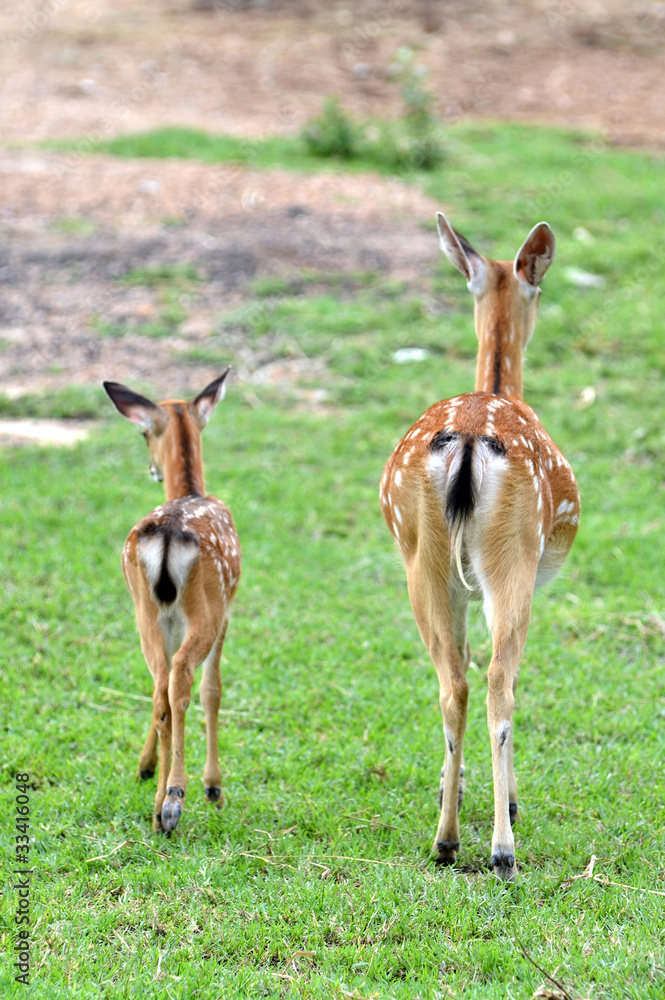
210,695
149,755
196,647
154,650
512,780
441,619
510,624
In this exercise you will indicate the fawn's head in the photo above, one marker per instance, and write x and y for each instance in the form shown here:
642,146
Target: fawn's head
172,428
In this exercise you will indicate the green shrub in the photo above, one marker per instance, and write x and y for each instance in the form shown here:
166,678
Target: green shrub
333,133
412,142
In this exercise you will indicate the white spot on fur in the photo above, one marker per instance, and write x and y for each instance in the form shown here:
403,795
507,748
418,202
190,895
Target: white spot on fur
398,478
397,513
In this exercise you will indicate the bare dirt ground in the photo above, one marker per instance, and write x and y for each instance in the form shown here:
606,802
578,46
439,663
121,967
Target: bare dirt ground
71,226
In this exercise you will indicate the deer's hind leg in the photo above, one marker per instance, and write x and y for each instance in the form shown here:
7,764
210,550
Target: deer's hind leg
199,641
508,605
440,613
153,644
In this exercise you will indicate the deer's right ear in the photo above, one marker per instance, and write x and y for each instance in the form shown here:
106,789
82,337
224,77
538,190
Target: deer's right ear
135,407
461,254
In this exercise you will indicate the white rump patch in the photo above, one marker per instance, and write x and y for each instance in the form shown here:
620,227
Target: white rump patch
181,558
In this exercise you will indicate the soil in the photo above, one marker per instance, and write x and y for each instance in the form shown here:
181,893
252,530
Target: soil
72,226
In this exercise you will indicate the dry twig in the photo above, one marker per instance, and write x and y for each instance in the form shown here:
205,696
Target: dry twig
126,843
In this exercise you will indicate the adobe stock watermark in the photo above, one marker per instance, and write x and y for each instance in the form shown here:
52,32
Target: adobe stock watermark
21,884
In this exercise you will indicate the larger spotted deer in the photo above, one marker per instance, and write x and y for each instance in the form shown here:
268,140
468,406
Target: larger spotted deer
483,506
182,565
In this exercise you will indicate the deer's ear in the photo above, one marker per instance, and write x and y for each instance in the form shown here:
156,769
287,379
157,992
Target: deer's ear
135,407
461,254
535,255
207,400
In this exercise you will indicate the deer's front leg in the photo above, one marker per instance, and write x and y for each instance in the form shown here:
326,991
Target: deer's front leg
210,693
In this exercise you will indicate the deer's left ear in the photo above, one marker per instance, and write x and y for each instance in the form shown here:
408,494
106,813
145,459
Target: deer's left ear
139,409
207,400
535,255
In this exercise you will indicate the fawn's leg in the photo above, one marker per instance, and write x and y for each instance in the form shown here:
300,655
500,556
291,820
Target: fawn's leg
210,695
153,644
196,647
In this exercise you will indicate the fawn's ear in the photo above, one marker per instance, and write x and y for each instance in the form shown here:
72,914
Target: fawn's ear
207,400
135,407
461,254
535,255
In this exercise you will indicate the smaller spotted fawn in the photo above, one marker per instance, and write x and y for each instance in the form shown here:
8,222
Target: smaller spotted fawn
483,506
182,565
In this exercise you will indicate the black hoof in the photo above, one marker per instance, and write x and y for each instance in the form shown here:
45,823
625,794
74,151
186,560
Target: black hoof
503,864
512,810
213,794
172,808
446,852
144,775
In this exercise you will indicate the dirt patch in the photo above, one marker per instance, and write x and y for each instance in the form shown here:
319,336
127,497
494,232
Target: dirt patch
51,432
74,227
72,67
69,314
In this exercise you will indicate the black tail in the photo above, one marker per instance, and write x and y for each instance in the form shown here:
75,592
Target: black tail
169,528
462,489
165,588
462,494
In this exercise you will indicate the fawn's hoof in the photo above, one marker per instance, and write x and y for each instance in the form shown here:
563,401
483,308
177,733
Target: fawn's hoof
503,863
146,773
446,851
172,808
512,810
213,794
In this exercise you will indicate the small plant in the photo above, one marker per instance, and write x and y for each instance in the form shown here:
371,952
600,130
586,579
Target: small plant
412,142
417,140
333,133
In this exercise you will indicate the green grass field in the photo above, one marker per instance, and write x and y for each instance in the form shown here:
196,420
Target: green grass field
314,881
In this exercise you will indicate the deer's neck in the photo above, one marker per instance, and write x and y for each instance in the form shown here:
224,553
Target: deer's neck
500,352
183,464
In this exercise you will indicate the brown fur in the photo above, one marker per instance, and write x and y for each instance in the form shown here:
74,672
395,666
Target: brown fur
196,537
525,518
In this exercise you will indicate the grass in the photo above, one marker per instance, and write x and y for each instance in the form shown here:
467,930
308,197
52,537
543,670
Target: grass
313,881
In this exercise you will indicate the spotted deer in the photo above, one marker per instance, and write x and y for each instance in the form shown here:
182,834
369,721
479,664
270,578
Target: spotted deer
181,565
483,506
